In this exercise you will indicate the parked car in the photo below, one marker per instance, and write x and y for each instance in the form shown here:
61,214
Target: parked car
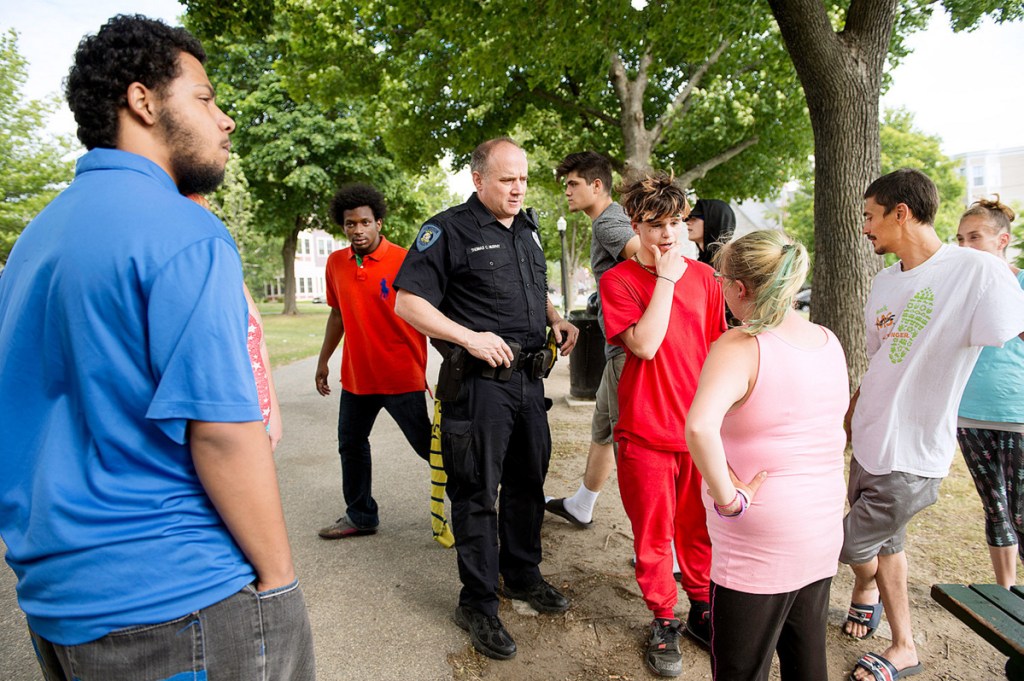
319,300
803,299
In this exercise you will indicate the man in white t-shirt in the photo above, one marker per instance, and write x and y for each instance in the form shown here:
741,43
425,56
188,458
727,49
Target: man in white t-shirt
927,318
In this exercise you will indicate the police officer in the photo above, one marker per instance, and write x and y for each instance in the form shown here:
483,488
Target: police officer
475,278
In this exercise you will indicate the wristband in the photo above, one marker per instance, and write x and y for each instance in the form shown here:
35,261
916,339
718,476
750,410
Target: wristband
667,279
744,503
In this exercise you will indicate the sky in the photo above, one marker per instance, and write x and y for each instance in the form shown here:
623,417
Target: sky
967,89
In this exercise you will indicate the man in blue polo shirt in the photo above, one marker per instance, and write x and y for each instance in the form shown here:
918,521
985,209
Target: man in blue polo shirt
138,497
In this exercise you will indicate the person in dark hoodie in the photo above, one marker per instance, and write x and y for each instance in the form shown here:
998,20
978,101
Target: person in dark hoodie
709,225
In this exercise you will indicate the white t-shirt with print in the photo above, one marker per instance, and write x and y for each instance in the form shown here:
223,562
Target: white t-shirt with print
925,330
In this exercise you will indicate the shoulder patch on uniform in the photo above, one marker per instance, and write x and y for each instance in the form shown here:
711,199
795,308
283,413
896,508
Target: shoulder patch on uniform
428,236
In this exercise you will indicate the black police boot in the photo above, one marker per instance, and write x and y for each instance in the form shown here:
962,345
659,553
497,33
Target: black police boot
541,596
487,633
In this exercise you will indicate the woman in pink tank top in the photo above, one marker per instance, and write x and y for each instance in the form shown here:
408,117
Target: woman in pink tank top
259,357
769,409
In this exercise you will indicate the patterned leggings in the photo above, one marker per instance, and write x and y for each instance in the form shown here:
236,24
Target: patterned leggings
996,461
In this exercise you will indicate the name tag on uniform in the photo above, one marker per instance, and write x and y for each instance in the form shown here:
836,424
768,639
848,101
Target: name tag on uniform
488,247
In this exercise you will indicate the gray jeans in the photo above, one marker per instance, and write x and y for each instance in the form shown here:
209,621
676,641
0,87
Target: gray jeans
250,636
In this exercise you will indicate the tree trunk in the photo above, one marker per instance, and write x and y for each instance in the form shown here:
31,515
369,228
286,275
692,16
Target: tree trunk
288,254
637,141
847,159
841,75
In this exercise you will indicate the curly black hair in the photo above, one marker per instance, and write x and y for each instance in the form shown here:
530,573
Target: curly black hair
127,49
352,196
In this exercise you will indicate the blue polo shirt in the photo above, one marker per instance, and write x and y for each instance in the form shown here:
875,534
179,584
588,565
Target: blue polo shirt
121,318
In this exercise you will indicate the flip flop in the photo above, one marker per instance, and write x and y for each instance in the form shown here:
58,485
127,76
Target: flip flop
883,670
868,615
557,507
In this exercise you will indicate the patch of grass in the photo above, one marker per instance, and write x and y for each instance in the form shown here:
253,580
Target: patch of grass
293,337
948,539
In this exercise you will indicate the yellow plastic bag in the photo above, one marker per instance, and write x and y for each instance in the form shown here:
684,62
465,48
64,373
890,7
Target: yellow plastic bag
438,480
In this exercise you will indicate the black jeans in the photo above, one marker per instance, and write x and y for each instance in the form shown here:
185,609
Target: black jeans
356,416
495,436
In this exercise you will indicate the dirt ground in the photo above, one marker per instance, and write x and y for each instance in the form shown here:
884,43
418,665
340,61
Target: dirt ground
602,635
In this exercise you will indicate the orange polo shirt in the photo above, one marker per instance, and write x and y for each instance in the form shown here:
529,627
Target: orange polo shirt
381,354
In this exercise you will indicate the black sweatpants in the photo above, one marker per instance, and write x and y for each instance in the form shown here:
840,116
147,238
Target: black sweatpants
747,628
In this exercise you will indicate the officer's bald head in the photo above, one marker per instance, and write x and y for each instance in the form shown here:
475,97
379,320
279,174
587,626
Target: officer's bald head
499,176
478,162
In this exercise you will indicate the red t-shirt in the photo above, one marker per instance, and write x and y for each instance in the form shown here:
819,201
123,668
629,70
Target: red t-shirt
655,394
381,353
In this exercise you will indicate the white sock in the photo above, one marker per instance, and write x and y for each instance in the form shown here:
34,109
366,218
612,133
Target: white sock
582,503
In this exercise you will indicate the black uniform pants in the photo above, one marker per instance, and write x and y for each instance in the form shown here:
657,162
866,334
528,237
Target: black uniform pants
496,436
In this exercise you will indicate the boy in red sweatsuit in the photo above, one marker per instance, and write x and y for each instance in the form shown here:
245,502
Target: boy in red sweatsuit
665,310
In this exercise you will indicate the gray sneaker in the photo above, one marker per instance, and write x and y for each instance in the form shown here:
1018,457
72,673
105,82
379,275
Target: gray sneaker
343,528
663,656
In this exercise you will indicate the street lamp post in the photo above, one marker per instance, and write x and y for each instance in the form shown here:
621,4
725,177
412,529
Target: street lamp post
565,274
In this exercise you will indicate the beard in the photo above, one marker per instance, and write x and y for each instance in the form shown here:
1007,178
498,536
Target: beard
194,175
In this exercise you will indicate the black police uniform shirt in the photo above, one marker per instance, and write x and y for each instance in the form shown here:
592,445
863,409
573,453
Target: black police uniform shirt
481,274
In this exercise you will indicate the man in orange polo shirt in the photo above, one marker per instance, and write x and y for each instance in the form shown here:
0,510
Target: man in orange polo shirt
362,300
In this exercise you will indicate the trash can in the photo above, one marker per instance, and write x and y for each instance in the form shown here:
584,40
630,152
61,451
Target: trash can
586,361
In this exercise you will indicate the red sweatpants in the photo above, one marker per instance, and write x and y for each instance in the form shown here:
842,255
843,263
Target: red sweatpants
661,494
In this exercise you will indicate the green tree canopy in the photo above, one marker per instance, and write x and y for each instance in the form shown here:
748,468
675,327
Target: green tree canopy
718,104
906,146
1018,240
235,204
294,152
32,165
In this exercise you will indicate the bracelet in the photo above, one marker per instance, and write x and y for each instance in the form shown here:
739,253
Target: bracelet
735,499
674,281
744,502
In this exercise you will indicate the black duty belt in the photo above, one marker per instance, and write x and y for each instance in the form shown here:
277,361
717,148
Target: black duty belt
533,364
526,360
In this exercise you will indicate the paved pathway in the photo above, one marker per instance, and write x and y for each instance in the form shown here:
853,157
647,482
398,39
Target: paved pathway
381,605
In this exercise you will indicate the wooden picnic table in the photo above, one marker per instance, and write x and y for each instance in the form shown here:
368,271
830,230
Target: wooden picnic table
994,613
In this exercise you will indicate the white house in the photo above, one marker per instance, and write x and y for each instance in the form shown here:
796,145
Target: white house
311,251
995,171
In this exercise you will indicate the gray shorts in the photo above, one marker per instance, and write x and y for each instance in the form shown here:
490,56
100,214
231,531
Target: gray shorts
606,409
880,508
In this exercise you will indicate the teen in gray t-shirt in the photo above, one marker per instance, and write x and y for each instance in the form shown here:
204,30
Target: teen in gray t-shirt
588,180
